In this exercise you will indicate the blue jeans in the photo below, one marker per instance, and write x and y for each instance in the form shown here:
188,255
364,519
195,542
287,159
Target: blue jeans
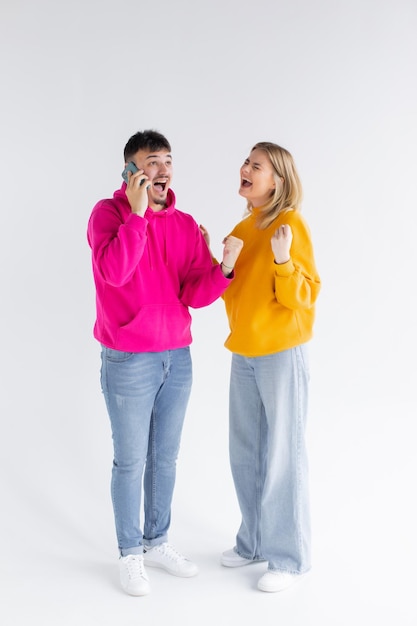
146,396
268,409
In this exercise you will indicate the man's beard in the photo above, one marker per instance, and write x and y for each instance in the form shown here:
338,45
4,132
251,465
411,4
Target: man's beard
160,201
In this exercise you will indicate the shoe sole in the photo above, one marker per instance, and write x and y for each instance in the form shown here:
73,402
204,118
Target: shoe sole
138,595
269,590
295,580
243,563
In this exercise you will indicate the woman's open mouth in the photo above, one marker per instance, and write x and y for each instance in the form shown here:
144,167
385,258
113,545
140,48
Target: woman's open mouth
246,182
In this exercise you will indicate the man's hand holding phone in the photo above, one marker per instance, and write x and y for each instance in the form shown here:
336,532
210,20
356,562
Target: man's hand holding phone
136,189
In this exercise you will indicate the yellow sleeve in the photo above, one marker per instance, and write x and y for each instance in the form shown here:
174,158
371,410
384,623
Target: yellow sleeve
297,283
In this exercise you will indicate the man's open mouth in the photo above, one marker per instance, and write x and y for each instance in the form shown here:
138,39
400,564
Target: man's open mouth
160,185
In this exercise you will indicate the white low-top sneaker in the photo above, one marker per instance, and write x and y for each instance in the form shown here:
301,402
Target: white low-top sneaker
231,558
133,576
168,558
274,580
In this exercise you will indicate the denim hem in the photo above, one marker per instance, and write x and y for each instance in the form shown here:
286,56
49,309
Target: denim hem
134,550
250,558
151,543
289,571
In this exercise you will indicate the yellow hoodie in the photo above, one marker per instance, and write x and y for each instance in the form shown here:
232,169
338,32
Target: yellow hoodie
270,307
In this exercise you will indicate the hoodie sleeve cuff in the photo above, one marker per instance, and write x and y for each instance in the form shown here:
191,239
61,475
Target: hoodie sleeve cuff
284,269
136,222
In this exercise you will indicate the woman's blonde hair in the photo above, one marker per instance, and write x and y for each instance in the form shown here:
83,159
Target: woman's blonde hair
286,196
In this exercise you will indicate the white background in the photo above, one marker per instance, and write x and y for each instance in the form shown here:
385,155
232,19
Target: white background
334,82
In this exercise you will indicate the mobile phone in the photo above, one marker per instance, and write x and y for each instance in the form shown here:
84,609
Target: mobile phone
130,167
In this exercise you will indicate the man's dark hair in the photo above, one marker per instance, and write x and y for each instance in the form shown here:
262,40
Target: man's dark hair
146,140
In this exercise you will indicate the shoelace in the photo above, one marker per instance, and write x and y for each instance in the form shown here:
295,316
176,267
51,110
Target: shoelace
167,550
135,566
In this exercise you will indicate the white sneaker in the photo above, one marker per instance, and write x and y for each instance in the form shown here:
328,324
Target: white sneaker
231,558
167,558
133,577
274,580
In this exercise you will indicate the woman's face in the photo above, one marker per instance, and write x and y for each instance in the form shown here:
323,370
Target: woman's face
257,182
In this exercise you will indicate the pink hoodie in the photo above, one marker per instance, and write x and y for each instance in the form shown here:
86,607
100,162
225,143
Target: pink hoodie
148,271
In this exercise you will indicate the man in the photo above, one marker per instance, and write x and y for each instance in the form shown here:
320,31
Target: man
150,263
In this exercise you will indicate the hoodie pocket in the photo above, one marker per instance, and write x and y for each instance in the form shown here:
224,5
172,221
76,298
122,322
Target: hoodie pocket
156,328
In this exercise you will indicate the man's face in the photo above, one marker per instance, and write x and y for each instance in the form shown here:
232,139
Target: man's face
158,168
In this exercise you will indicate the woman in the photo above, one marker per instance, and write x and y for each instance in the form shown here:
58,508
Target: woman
270,307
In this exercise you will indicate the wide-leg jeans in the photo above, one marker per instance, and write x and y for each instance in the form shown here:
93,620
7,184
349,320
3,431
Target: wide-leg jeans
146,396
268,409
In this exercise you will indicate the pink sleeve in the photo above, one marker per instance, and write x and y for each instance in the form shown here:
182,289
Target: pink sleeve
117,246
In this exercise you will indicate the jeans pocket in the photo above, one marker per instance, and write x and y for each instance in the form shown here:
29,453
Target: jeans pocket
116,356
